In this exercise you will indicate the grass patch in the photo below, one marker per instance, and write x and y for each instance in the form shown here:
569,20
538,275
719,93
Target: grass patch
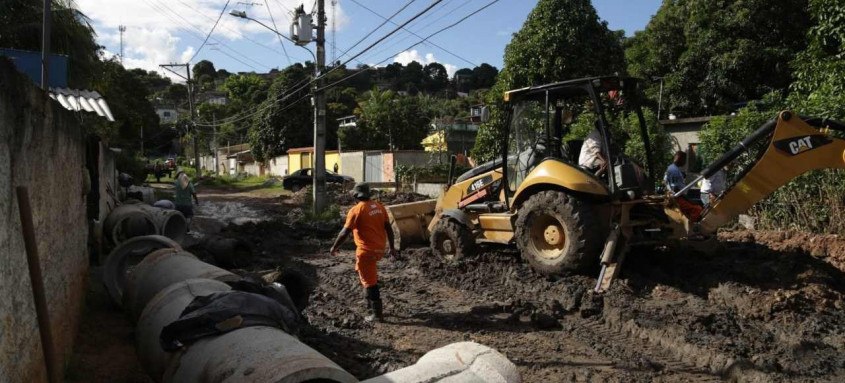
330,214
242,182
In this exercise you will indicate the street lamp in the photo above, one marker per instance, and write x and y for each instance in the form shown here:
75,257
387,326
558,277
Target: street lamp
243,15
319,168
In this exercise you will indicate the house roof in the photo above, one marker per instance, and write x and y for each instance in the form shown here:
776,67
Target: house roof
306,149
82,101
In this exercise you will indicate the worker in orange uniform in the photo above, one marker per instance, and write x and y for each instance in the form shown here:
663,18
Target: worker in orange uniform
371,228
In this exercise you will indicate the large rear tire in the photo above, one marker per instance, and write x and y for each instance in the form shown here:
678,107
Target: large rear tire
451,241
558,234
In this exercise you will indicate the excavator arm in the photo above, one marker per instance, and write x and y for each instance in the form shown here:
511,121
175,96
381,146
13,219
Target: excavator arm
796,145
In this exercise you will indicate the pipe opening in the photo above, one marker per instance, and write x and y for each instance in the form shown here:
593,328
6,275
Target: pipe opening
131,226
174,227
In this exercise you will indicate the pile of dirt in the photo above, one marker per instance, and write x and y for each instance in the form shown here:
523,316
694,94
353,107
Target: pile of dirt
748,311
397,197
830,247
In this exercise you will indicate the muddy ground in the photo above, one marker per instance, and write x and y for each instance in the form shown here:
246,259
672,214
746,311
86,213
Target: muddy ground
756,306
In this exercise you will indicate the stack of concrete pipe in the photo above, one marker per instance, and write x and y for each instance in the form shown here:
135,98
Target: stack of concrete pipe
135,220
157,289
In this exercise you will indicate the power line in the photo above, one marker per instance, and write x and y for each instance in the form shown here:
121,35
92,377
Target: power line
245,36
191,33
277,35
210,32
377,28
158,7
430,6
423,40
400,40
416,35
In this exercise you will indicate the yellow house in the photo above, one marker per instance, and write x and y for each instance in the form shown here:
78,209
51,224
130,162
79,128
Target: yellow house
300,158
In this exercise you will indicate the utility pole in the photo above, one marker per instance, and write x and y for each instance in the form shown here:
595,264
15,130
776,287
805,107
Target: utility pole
216,149
122,29
320,113
45,45
190,107
334,32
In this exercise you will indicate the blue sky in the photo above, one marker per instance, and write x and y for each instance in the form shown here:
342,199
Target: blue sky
160,31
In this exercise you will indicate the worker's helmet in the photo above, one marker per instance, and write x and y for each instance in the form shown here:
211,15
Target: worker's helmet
361,190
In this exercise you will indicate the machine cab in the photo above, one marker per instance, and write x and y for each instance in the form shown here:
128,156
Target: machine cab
545,136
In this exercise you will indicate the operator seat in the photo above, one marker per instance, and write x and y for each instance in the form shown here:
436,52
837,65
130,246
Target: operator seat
529,158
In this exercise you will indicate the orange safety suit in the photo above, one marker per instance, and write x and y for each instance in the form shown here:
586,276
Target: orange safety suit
367,220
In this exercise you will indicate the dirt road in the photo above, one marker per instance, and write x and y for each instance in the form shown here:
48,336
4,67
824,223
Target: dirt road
756,307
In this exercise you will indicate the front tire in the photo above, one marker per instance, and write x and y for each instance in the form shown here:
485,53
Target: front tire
558,234
452,241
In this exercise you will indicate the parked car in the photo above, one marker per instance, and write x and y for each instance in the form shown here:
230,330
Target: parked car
302,178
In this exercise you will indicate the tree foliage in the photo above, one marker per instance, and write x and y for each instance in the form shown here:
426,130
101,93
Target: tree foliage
819,88
71,34
282,124
714,54
388,121
128,100
560,40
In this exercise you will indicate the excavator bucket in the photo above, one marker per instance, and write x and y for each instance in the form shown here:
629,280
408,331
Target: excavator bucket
410,222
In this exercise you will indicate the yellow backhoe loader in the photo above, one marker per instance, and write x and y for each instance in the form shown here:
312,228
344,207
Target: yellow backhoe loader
566,218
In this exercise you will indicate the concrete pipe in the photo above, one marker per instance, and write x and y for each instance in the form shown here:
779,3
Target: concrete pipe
125,256
169,223
163,268
128,221
228,252
254,354
162,310
457,362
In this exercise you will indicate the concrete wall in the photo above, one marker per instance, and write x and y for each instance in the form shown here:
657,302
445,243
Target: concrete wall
278,166
207,163
254,168
352,164
42,147
302,160
432,190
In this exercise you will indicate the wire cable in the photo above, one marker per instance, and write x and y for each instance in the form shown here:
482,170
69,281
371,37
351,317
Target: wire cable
277,35
322,75
284,97
376,28
159,6
213,27
416,35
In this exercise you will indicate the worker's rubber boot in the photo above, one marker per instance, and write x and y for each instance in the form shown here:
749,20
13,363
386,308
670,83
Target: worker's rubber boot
374,304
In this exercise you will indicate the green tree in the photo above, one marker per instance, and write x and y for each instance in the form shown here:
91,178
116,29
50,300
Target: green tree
411,78
435,77
71,34
128,100
387,120
245,89
819,88
714,54
281,123
560,40
484,76
204,67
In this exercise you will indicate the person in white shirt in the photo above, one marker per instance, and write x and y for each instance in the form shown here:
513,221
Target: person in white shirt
592,153
712,187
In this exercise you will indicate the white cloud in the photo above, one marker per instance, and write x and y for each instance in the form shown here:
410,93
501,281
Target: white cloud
161,31
413,55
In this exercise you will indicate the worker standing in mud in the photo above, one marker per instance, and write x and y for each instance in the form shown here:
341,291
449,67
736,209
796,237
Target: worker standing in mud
368,223
184,189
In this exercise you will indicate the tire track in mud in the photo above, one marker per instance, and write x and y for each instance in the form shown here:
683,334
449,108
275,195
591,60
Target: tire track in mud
649,327
630,346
